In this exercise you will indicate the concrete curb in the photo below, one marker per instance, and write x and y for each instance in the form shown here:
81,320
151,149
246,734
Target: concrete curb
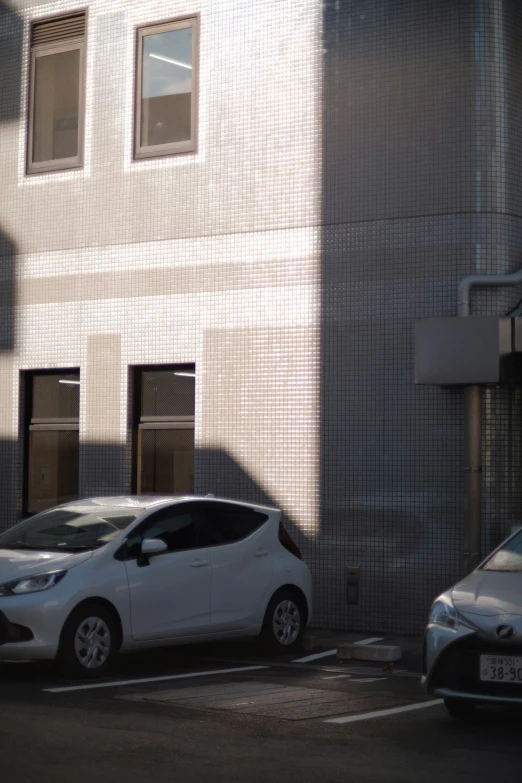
383,653
321,643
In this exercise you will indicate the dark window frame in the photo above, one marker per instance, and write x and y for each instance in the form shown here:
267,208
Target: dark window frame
173,148
197,509
141,529
141,423
31,423
40,50
224,506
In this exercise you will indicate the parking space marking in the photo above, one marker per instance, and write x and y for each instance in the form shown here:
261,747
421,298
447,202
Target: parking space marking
384,713
337,677
284,664
371,679
316,656
186,676
326,669
349,676
378,670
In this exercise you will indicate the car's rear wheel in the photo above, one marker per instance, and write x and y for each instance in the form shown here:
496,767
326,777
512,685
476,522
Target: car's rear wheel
284,622
460,708
89,642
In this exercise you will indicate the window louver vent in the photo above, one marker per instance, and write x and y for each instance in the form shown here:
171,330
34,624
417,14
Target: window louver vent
56,30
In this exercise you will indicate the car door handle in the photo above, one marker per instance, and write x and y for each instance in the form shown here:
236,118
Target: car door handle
199,563
262,552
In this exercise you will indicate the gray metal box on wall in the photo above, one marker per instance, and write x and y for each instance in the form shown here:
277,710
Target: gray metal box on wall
461,351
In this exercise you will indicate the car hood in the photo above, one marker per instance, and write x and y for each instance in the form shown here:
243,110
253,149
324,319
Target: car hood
489,593
16,563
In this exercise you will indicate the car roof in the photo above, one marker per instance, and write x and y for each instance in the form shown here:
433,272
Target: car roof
149,501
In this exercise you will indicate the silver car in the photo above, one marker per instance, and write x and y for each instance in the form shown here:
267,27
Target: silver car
473,641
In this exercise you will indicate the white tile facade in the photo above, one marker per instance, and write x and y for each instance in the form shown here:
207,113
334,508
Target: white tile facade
239,217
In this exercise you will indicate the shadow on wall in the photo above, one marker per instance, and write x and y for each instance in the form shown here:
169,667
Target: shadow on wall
104,469
395,122
220,474
11,34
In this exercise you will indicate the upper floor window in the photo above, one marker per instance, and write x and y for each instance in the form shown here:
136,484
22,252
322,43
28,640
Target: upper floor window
165,113
55,137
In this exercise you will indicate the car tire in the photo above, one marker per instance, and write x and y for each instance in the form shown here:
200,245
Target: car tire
284,622
461,709
89,642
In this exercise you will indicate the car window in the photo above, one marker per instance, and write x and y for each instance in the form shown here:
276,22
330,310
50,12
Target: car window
508,557
70,528
172,526
223,523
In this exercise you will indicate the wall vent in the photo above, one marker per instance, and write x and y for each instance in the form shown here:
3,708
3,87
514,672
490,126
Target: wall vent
56,30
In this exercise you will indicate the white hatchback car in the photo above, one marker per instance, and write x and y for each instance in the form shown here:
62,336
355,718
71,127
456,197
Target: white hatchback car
84,580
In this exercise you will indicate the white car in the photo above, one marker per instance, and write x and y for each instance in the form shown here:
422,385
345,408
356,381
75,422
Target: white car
85,580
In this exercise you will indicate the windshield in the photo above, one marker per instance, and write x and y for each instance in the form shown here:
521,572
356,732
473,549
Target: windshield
67,529
508,558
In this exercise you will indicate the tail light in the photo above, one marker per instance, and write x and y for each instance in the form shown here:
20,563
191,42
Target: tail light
288,542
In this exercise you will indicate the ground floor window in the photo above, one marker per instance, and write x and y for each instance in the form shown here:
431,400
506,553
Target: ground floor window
51,439
165,429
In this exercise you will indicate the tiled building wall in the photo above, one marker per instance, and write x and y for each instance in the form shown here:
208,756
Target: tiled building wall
208,258
417,193
356,159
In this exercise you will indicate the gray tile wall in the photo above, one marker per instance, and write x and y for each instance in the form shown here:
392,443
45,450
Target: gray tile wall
415,193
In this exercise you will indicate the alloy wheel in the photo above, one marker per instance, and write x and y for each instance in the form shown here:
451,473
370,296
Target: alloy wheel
92,642
286,622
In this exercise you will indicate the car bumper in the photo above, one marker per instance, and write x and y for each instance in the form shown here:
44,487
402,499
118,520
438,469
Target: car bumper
30,627
452,667
449,693
11,633
436,641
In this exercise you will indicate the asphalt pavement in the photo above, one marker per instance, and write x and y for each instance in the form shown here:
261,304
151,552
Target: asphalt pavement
227,712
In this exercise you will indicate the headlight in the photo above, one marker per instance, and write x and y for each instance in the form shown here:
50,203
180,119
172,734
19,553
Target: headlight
32,584
443,613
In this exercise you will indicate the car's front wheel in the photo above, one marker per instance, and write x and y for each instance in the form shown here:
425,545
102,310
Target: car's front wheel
460,708
284,622
89,642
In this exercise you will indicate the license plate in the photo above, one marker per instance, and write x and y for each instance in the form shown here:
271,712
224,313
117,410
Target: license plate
500,668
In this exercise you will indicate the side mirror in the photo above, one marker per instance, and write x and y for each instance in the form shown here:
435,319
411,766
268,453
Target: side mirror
153,546
149,547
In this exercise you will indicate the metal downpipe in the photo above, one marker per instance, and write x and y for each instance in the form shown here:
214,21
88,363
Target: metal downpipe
473,427
483,281
473,476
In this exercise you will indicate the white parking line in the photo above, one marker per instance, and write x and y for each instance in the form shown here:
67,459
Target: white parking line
384,713
371,640
371,679
315,656
337,677
186,676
